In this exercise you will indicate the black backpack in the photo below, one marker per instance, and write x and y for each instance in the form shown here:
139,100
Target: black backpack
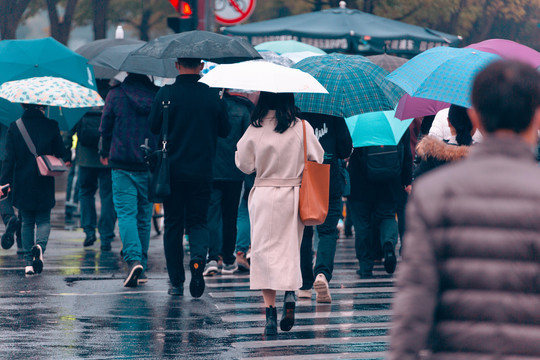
384,162
88,132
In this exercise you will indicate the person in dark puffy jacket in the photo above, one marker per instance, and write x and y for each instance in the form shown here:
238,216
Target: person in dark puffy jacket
468,286
124,128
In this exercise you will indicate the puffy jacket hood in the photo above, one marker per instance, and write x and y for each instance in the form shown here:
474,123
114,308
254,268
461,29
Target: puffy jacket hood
431,146
140,92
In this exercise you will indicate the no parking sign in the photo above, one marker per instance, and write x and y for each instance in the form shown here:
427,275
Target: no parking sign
230,12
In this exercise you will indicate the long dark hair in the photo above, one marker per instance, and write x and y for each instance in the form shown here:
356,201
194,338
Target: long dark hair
459,119
282,103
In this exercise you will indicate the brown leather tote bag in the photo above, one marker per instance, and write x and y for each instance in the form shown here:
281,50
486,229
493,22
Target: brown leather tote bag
314,190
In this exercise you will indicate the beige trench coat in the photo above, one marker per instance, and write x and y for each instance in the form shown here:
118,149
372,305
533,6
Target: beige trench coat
276,229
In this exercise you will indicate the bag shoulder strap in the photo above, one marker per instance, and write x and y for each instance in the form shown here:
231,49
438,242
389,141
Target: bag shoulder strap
165,125
304,136
26,137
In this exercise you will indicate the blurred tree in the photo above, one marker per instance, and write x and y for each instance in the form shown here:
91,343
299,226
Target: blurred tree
11,13
95,12
60,26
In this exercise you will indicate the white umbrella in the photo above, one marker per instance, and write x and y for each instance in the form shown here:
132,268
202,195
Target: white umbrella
50,91
262,76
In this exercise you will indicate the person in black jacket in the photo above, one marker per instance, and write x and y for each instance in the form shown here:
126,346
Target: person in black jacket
226,190
32,193
197,117
373,206
336,141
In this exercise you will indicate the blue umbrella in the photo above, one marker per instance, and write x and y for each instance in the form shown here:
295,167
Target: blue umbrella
23,59
442,73
355,85
376,128
287,46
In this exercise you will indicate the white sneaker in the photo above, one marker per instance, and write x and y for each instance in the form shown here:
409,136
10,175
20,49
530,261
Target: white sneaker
322,289
211,268
305,294
29,270
37,262
229,269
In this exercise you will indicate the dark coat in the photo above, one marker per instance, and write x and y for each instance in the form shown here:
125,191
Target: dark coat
124,123
197,117
30,190
363,189
434,152
239,112
335,138
469,287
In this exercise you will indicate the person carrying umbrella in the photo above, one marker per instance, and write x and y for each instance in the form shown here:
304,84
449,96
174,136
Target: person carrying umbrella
32,193
197,117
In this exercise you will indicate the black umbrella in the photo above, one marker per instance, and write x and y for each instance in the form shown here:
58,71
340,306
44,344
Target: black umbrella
122,58
200,44
93,48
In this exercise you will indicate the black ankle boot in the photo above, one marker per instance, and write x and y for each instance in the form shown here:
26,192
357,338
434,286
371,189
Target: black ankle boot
271,321
289,304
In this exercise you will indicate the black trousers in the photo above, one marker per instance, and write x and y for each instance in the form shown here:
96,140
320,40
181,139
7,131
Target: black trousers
186,208
222,217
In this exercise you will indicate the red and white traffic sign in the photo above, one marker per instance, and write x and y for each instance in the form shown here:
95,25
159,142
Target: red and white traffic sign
230,12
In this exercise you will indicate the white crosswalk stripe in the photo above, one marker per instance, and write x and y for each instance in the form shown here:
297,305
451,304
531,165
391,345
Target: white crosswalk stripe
354,326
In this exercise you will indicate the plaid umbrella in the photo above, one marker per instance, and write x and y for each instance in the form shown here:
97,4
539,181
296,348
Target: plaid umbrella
442,73
387,62
355,86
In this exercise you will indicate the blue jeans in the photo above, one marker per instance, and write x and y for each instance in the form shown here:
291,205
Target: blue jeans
88,185
243,237
134,211
38,224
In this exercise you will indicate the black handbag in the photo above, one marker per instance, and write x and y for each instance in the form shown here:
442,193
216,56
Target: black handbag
160,181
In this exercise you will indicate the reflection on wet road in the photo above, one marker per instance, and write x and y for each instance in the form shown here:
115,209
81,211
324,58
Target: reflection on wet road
78,309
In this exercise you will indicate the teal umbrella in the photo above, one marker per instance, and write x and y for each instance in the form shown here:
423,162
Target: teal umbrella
376,128
23,59
287,46
355,86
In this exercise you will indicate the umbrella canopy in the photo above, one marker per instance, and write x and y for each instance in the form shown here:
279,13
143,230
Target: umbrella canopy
123,58
93,48
508,49
299,56
443,74
22,59
387,62
288,46
200,44
355,86
276,58
50,91
376,128
411,107
346,30
262,76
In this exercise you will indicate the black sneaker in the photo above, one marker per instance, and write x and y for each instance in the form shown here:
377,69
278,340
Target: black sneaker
390,260
365,274
135,270
37,261
176,290
196,285
106,247
142,278
8,239
90,240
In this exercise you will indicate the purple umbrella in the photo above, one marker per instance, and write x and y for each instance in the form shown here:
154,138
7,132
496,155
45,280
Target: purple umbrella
411,107
508,49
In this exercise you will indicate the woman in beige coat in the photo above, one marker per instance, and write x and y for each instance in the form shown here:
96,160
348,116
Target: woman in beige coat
273,148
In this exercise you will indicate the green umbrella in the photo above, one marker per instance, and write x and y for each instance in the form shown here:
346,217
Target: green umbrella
287,46
355,86
22,59
376,128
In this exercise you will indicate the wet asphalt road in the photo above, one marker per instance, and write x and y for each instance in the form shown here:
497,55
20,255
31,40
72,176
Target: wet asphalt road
77,308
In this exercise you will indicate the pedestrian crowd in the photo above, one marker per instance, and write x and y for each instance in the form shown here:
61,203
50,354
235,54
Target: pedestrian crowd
468,281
